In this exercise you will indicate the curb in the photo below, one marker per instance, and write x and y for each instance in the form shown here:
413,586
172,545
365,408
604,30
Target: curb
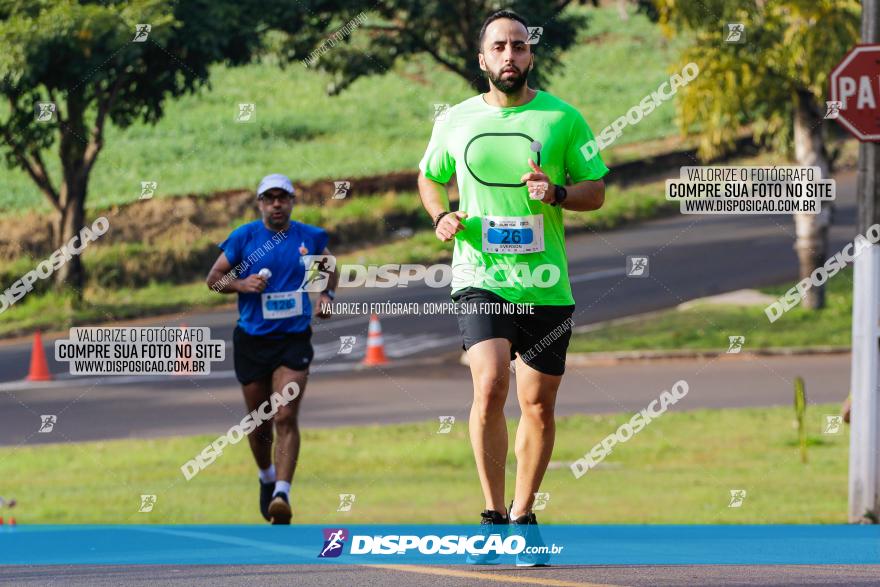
619,357
64,381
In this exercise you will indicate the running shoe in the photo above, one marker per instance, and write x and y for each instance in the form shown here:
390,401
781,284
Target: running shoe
527,527
488,522
266,490
279,509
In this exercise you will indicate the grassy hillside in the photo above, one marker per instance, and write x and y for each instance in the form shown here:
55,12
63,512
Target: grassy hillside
380,124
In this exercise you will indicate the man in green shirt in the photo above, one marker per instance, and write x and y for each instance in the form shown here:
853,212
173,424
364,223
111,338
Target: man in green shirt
520,156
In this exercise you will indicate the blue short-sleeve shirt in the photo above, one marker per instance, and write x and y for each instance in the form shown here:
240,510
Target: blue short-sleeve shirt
283,307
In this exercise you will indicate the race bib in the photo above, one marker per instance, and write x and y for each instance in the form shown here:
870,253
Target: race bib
513,234
282,304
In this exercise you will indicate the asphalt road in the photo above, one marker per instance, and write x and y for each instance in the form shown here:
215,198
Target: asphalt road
425,576
182,406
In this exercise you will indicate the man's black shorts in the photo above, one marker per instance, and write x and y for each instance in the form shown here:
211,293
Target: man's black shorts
541,338
256,357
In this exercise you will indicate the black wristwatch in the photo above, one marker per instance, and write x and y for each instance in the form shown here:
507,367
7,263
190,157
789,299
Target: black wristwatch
559,195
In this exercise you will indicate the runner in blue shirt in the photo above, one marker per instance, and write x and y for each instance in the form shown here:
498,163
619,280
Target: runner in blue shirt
269,264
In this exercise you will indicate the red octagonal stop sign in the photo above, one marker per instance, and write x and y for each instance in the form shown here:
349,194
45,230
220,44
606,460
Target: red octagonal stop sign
855,83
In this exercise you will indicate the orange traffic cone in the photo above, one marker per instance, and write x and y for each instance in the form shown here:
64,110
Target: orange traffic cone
375,346
39,370
183,360
12,521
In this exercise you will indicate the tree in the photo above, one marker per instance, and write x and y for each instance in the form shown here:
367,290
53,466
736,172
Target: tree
95,64
775,80
447,31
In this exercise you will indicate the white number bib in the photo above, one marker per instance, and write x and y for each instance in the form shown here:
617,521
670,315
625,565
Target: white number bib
513,234
282,304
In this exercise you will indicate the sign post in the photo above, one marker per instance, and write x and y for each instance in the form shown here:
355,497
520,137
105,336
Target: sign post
855,84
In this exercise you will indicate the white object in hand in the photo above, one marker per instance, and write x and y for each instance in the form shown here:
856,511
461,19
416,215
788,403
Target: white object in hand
265,273
537,193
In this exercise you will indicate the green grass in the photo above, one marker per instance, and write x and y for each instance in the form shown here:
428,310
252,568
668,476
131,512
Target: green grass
422,247
366,218
680,469
706,327
615,65
56,311
380,124
333,218
639,202
175,256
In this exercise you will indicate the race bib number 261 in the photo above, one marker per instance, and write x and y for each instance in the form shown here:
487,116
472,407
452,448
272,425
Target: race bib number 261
513,234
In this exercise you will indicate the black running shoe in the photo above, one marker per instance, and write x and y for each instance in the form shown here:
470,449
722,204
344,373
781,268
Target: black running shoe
279,509
527,527
266,490
489,519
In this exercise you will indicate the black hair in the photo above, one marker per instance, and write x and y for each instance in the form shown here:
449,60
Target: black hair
496,16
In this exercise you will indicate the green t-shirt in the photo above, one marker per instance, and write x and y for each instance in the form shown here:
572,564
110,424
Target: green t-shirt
512,245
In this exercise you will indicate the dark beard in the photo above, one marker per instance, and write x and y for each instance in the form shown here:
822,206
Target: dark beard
509,85
276,224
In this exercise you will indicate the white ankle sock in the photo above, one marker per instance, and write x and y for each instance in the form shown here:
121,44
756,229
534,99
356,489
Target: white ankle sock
268,475
282,487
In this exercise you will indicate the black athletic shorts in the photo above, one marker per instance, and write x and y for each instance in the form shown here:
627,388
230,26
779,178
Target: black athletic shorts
256,357
540,339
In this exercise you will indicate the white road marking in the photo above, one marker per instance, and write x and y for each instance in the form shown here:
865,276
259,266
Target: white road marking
594,275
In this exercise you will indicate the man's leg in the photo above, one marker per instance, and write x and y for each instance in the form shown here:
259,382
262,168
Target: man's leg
490,371
255,393
535,434
287,444
286,424
260,440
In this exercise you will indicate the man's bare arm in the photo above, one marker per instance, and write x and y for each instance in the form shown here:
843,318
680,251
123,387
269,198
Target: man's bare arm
433,195
585,196
434,199
221,279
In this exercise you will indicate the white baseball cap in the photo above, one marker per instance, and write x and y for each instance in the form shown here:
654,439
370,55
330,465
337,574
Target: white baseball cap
275,180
